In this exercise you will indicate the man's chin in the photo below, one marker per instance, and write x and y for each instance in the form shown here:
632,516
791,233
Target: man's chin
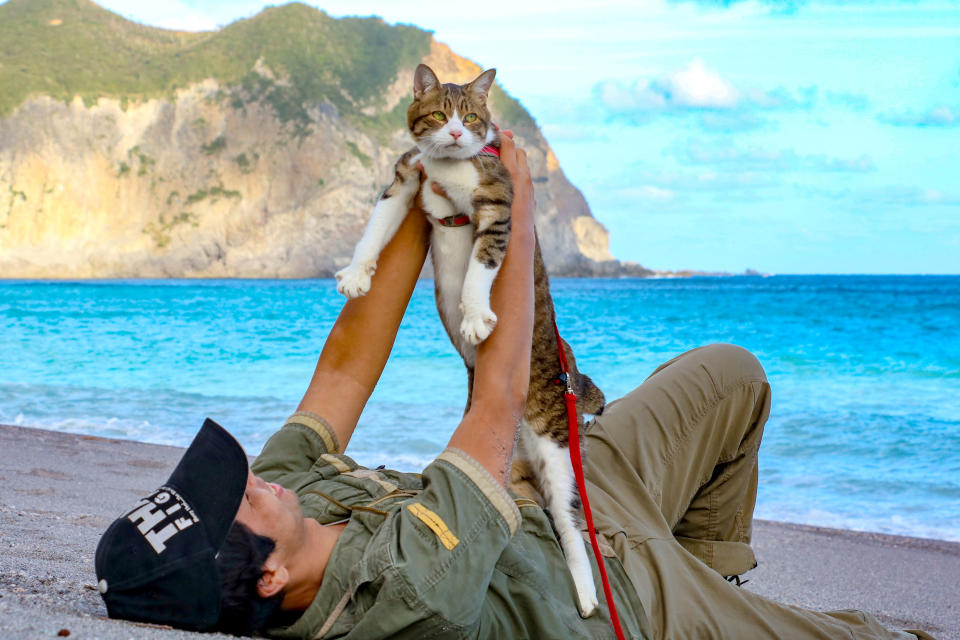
289,498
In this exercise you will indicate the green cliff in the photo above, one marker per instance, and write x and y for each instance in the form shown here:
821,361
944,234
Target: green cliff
256,150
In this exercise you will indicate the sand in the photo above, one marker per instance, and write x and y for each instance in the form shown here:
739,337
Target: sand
58,492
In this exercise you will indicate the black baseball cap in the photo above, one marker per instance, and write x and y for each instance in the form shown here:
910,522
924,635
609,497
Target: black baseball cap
157,562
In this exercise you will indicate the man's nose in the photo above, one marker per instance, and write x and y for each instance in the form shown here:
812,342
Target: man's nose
456,134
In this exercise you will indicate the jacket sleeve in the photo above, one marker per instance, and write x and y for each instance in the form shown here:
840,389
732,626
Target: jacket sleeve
295,447
437,553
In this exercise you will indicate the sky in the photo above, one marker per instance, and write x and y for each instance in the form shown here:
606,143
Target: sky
785,136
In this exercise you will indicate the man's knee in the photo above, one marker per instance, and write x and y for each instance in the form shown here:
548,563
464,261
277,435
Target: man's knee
730,364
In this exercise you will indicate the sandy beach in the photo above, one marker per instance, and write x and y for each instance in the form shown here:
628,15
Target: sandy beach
58,492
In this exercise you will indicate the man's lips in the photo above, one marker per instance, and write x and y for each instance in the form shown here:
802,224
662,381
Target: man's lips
277,489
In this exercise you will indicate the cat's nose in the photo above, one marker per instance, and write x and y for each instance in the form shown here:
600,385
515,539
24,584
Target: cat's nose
456,134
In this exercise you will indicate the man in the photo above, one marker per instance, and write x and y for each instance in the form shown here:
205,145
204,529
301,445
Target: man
310,545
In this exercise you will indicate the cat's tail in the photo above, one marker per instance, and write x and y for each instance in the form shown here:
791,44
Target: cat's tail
589,397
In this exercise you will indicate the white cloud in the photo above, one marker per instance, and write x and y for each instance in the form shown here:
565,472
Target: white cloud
890,195
667,185
651,192
692,87
697,88
734,158
731,121
940,116
911,196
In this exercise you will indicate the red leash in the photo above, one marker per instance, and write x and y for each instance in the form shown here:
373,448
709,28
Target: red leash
570,398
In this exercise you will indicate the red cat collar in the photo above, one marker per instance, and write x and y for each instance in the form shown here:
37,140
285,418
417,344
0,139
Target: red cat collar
454,221
489,150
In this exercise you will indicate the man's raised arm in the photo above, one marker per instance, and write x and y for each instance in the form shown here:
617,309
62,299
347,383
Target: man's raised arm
488,431
359,344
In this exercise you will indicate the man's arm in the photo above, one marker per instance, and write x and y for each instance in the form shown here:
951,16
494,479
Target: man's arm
359,344
451,534
488,432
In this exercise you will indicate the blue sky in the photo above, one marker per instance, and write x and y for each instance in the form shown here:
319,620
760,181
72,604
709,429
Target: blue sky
784,136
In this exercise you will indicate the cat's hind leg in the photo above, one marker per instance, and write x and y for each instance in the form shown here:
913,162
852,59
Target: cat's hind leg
558,487
392,207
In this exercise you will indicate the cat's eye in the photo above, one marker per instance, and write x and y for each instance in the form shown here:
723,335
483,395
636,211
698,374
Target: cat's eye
439,115
470,117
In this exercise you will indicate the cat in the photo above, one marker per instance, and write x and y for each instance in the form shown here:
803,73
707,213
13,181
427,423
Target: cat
458,147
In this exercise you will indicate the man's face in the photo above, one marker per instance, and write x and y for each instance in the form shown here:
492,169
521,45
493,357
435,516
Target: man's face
270,510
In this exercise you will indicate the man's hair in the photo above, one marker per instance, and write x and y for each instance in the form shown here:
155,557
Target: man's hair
242,610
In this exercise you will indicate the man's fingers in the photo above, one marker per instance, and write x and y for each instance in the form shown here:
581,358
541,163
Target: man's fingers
508,153
508,133
437,189
523,169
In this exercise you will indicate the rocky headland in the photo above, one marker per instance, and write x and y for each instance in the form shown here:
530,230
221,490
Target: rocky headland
255,151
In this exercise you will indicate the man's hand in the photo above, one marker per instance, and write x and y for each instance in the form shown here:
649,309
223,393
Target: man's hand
524,205
436,188
502,373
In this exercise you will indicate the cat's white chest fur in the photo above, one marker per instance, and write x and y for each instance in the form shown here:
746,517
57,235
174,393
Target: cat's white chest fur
451,247
458,178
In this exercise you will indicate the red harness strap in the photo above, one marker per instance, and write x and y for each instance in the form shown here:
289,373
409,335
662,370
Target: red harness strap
489,150
570,398
454,221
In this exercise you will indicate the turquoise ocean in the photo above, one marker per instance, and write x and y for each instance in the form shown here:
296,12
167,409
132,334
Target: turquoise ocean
864,431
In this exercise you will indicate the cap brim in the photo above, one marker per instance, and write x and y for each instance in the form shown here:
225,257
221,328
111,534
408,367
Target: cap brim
212,476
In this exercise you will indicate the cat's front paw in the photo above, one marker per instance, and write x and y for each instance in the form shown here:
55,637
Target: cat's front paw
353,281
477,325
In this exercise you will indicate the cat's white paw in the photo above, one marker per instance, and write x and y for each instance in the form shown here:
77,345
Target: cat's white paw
353,280
477,325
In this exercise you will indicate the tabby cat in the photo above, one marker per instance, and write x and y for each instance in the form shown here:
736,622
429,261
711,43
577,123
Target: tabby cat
457,145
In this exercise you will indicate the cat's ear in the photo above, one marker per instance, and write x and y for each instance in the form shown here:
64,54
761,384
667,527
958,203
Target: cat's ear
481,86
424,81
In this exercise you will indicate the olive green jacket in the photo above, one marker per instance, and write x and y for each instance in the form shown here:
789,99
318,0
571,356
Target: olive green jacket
445,554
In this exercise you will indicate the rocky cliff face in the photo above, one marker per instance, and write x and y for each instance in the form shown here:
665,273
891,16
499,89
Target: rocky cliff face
215,179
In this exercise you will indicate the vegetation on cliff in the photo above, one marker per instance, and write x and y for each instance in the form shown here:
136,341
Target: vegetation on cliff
67,48
254,150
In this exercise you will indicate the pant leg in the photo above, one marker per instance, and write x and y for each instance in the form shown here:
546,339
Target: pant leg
672,477
689,435
686,600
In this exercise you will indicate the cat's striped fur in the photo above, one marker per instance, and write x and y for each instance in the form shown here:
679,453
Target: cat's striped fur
451,124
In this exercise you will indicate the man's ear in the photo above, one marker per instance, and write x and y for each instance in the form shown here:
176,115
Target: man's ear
275,577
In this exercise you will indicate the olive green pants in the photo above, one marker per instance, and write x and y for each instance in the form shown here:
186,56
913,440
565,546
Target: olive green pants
672,480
